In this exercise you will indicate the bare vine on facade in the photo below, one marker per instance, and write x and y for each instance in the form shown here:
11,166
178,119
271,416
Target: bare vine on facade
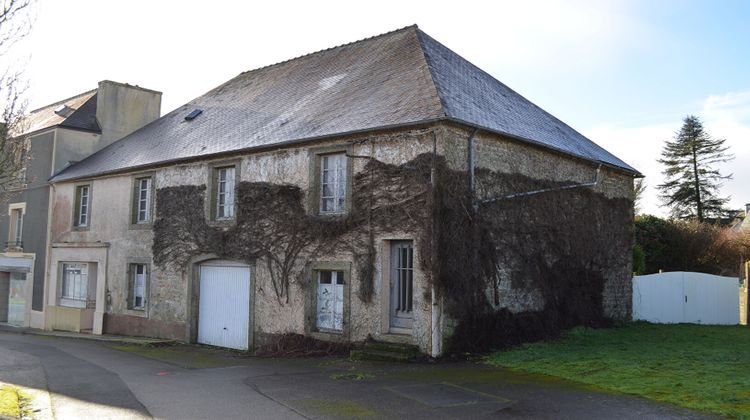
562,245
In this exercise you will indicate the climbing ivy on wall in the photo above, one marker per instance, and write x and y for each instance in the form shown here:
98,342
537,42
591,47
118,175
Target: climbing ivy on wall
561,244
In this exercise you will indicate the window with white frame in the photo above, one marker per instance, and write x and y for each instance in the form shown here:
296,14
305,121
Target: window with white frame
16,227
225,193
83,205
75,281
138,286
333,175
143,200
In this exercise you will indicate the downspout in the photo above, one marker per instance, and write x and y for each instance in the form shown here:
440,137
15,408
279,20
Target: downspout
472,162
436,333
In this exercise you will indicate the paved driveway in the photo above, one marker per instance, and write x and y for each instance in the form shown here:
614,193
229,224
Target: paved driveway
87,379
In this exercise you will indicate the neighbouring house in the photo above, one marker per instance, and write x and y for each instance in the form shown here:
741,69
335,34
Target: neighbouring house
385,188
741,220
57,134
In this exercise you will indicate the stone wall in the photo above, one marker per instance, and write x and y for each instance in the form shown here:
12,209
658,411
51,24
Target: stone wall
527,168
172,287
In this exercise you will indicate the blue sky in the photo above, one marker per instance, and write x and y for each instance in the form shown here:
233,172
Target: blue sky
624,73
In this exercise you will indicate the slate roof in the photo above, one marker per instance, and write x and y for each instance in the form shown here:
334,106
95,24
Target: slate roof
399,78
83,118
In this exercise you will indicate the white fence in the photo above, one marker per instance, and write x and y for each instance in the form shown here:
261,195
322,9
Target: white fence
679,297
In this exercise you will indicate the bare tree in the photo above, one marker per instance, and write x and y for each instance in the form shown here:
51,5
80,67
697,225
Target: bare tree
15,23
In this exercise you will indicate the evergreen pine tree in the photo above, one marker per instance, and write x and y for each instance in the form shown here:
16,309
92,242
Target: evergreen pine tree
691,186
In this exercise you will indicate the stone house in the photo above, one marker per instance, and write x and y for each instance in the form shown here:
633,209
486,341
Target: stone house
366,190
57,135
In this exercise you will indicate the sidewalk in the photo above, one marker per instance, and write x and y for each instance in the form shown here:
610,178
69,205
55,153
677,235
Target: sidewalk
110,338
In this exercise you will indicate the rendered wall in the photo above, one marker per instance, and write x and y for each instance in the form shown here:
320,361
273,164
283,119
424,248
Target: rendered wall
171,288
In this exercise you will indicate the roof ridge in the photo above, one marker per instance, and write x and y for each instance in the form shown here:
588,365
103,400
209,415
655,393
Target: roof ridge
62,101
369,38
420,41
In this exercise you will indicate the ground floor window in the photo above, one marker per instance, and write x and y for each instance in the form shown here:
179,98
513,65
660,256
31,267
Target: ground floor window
138,280
330,293
75,282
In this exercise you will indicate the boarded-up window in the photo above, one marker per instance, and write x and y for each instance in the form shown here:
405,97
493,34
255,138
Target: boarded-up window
330,298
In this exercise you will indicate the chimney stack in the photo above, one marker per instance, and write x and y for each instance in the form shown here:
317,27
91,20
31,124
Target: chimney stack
122,108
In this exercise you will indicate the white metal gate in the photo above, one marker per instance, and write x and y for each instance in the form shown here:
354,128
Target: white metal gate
678,297
224,305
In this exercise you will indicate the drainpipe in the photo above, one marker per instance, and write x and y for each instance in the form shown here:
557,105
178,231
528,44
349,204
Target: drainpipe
436,333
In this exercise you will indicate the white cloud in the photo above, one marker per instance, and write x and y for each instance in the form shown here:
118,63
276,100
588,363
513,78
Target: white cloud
724,116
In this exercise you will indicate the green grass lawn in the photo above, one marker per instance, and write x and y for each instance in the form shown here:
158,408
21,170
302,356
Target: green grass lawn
699,367
13,403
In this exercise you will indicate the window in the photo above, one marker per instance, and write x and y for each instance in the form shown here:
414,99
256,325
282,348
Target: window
75,281
142,200
225,193
16,228
333,173
330,309
138,285
83,205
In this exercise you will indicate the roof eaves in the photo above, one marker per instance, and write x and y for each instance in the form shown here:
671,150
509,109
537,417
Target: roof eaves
54,178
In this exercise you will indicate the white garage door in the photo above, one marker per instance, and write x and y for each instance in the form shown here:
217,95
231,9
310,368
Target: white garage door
224,308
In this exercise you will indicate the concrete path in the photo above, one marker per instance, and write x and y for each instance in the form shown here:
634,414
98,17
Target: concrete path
87,379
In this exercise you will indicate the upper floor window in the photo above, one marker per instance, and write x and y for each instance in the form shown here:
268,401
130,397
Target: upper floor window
224,196
333,182
15,233
83,205
142,200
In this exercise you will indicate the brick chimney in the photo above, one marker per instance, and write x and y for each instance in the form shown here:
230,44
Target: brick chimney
122,108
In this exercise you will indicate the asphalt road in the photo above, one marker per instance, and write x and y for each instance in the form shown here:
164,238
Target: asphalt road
74,379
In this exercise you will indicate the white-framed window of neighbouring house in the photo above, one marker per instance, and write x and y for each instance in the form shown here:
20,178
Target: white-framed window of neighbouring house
15,233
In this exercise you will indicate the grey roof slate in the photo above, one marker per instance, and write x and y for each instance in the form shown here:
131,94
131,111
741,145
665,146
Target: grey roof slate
398,78
83,118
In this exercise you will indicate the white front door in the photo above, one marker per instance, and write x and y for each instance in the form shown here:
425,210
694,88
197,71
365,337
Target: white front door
224,305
